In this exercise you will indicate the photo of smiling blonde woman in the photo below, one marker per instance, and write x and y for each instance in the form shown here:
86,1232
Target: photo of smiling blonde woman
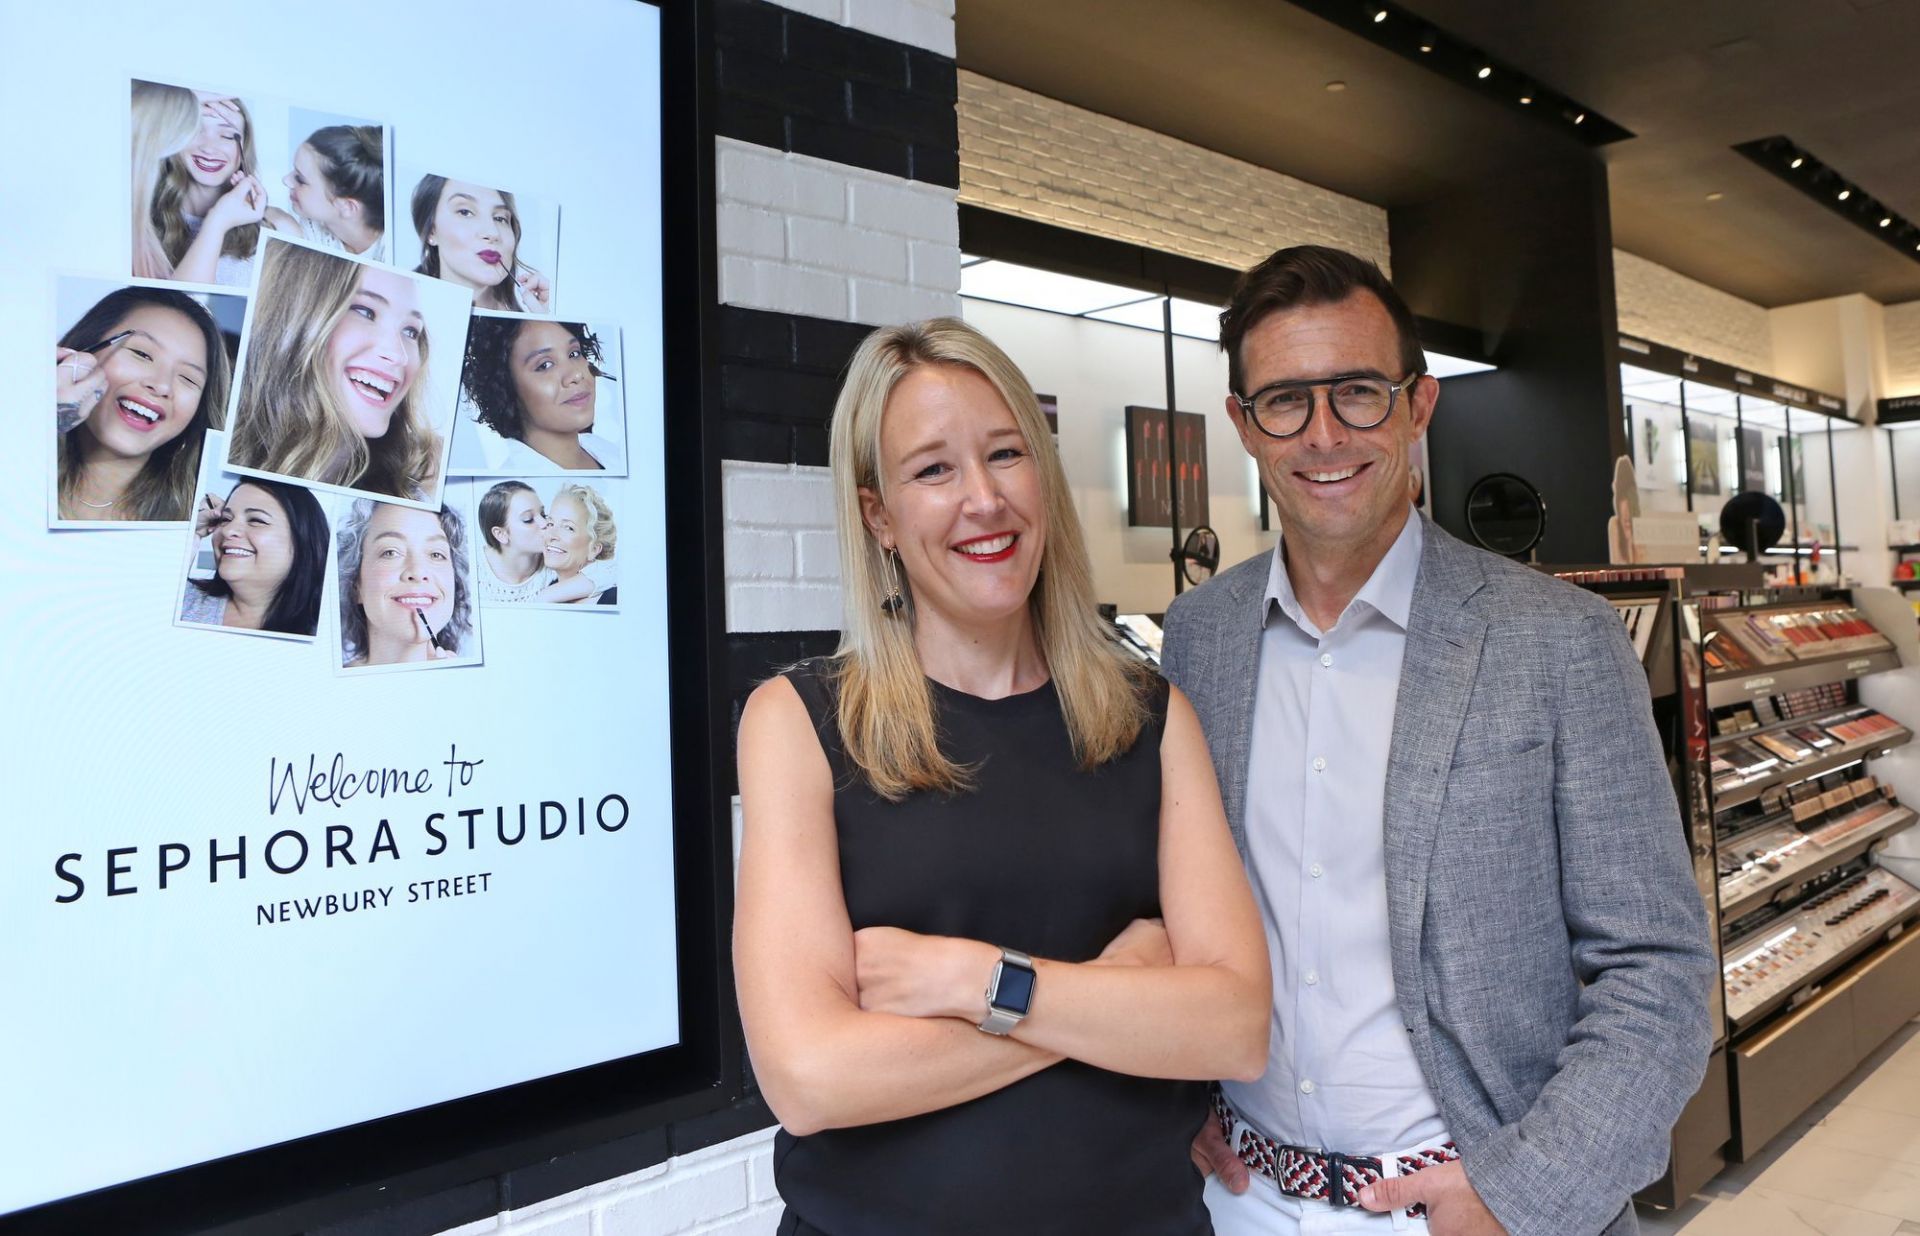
538,397
198,203
546,542
405,587
475,236
139,378
259,559
336,386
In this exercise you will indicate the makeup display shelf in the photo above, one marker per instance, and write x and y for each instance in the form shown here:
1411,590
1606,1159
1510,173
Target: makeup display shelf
1816,961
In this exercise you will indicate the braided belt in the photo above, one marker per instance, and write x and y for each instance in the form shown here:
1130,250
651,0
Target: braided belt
1319,1175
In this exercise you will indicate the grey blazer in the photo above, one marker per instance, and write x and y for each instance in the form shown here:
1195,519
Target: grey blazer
1550,949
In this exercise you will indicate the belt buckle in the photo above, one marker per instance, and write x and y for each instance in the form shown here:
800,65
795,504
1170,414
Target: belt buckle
1337,1180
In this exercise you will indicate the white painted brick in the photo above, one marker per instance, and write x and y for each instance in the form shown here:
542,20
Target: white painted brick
837,246
1901,327
795,184
776,495
884,303
763,1221
759,555
936,267
679,1202
783,607
750,232
923,25
577,1224
819,556
761,1171
923,212
830,10
1667,307
760,284
1032,156
476,1228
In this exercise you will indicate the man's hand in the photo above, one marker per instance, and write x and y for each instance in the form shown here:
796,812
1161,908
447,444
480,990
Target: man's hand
1453,1208
1213,1157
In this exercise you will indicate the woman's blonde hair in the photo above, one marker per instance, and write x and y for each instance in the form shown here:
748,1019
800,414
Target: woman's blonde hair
288,420
161,179
165,119
600,526
887,725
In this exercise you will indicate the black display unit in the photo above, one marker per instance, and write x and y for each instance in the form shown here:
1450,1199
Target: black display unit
479,1143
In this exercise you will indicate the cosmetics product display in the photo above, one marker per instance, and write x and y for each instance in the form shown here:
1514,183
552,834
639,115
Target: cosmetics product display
1764,967
1744,641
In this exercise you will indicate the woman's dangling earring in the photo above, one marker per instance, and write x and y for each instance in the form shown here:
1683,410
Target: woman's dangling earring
894,601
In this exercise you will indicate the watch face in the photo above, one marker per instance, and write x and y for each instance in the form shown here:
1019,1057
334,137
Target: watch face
1014,991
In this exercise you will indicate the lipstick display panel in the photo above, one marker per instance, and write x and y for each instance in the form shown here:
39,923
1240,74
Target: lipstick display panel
1768,966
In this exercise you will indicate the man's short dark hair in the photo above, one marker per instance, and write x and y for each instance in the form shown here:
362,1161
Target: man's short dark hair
1310,275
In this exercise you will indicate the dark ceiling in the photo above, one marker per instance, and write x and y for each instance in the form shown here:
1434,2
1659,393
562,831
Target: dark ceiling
1248,78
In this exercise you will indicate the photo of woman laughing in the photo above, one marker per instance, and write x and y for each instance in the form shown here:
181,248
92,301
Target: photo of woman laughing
474,236
198,203
406,588
139,378
259,559
338,384
539,397
546,543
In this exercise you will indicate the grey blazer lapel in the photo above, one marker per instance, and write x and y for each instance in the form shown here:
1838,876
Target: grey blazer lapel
1444,638
1240,668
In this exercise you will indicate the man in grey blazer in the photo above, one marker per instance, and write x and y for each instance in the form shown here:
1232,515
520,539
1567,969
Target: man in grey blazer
1491,963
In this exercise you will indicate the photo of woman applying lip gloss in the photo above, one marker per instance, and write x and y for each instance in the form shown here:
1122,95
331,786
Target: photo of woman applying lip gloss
139,377
340,385
406,588
538,397
478,237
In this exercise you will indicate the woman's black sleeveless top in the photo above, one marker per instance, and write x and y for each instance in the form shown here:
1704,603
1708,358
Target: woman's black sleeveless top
1043,858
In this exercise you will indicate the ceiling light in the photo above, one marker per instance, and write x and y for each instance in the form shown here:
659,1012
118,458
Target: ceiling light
1845,194
1379,15
1886,220
1797,161
1336,87
1580,119
1526,93
1715,196
1486,71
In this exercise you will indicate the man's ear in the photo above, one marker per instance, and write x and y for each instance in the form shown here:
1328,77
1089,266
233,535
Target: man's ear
873,513
1421,398
1249,434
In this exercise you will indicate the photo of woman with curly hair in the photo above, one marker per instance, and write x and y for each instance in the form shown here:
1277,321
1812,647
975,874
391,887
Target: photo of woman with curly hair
547,542
338,384
539,397
406,588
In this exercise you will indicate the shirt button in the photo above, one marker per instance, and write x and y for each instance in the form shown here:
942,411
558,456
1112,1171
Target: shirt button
1315,871
1326,658
1319,763
1312,977
1306,1087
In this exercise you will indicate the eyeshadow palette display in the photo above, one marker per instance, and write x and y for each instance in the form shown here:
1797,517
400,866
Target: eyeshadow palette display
1742,641
1744,753
1774,852
1770,964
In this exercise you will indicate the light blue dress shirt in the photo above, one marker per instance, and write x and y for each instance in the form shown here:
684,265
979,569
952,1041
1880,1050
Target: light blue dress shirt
1341,1073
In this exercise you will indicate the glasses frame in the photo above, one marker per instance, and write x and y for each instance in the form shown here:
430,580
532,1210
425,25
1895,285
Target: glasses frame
1394,391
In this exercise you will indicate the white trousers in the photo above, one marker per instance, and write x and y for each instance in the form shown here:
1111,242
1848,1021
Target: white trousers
1265,1211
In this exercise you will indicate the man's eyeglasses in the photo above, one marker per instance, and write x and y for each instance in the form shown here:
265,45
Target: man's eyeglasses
1360,400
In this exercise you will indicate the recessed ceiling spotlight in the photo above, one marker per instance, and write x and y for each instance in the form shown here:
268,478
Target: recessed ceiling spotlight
1527,92
1844,194
1715,196
1580,119
1886,220
1379,15
1486,71
1797,161
1336,87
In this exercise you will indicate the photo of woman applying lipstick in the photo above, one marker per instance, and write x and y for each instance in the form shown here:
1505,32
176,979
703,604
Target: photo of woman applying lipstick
406,588
139,378
484,240
198,203
257,561
346,378
546,544
539,397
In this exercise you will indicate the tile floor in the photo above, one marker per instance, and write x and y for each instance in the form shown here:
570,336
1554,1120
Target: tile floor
1849,1167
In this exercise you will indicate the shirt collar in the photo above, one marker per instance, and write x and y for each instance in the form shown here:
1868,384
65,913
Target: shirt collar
1388,591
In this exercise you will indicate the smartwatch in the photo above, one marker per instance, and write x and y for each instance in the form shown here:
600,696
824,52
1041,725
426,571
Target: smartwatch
1009,992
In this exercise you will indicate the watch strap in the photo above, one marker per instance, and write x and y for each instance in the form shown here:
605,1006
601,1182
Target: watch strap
1001,1020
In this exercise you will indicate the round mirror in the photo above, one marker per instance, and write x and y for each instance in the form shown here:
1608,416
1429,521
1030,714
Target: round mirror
1753,522
1199,557
1506,514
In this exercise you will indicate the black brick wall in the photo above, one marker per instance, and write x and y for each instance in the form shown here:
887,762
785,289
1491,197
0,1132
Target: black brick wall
799,83
779,376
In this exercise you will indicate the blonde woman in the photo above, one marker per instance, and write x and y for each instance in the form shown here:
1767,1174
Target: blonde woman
197,203
335,378
978,793
138,380
581,537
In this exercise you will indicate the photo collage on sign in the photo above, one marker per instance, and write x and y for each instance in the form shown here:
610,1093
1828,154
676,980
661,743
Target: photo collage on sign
346,383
